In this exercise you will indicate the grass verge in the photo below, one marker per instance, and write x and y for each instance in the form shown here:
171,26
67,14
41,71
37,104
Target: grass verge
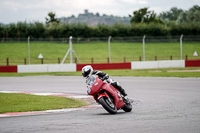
156,73
12,102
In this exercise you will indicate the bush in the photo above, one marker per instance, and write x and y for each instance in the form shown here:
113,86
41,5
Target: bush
60,30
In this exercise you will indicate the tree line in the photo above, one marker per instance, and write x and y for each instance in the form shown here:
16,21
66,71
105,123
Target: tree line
143,22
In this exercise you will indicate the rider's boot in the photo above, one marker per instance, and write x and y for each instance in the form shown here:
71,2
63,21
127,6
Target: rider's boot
123,92
118,86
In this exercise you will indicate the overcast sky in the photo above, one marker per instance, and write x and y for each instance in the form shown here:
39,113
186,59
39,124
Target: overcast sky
37,10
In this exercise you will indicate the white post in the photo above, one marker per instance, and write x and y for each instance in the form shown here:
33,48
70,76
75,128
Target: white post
143,40
109,54
29,59
70,51
70,47
181,50
65,56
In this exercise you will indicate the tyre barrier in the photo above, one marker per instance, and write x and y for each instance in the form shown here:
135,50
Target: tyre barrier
192,63
106,66
101,66
8,69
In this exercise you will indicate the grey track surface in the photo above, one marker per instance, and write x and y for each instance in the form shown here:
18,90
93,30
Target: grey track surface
162,105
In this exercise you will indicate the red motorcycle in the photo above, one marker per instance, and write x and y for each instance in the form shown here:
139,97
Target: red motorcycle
108,96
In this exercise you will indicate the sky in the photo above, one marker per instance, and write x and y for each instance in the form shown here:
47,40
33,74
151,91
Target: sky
13,11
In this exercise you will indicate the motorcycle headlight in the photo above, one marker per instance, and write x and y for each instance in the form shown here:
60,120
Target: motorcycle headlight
89,90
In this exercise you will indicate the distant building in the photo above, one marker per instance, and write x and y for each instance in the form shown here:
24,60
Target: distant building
95,19
86,11
86,14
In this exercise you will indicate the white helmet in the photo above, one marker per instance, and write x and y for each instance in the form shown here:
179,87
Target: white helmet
87,70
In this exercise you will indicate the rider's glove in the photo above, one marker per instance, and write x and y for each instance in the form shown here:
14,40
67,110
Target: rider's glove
105,77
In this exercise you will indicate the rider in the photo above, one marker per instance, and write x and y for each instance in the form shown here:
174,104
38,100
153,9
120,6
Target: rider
88,70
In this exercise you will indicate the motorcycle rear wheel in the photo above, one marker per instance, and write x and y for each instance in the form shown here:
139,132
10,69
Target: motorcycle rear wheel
108,105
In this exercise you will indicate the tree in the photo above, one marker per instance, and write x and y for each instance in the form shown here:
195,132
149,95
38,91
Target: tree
190,16
52,18
171,15
144,16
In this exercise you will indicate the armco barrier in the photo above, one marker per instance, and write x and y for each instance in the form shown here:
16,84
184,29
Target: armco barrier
144,64
157,64
192,63
31,68
8,69
62,68
171,63
47,68
104,66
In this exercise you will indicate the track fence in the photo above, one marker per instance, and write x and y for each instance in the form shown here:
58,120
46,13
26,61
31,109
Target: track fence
14,51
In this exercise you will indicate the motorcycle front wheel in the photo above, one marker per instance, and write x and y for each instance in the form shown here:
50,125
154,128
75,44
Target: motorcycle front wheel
127,107
108,105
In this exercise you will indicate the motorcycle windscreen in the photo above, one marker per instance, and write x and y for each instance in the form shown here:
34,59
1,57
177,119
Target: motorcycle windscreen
94,84
90,80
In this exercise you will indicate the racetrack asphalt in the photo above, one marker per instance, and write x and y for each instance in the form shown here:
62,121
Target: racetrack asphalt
160,105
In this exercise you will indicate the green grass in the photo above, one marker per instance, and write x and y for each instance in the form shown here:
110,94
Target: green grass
16,52
156,72
165,72
11,102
